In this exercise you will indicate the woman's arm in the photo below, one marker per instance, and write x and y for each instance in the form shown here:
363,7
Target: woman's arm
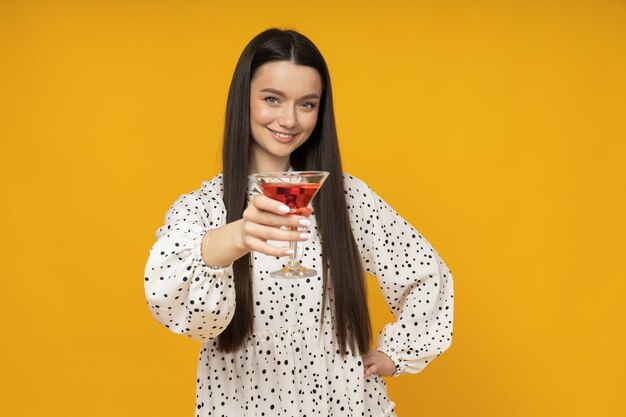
183,293
416,283
189,283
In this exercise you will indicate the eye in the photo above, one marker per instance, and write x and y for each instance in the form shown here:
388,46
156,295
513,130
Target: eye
271,100
308,105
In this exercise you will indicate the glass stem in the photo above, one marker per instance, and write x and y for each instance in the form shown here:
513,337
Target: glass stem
294,259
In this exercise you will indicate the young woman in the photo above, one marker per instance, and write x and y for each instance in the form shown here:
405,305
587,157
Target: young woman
299,347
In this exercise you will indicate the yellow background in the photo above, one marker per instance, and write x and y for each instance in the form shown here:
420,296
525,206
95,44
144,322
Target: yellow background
496,128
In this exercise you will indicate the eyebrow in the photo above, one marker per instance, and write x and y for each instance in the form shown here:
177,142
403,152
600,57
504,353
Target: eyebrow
280,93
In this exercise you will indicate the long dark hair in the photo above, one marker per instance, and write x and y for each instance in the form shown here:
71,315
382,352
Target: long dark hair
319,153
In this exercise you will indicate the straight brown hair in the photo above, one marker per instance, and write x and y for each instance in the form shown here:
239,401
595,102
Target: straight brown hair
340,253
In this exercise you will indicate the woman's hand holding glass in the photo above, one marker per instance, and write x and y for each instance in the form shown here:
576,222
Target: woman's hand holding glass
262,220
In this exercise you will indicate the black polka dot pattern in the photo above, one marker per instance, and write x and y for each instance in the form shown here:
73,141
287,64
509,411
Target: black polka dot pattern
291,366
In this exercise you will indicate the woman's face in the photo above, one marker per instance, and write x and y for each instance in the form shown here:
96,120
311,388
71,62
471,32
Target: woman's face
284,103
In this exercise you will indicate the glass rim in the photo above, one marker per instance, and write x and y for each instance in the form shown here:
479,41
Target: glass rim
289,174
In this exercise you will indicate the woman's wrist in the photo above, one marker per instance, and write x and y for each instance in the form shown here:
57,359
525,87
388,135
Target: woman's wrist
223,245
204,251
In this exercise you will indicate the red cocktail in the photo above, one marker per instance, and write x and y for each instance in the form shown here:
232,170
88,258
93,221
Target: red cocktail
295,189
295,196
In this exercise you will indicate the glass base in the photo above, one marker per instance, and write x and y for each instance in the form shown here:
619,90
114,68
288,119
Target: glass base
291,273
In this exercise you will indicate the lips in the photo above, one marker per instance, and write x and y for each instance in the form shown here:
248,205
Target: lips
282,137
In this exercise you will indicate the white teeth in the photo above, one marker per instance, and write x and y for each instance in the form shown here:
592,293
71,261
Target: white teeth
281,135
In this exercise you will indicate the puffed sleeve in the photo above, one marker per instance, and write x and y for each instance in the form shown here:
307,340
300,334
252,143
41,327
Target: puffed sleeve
416,283
183,294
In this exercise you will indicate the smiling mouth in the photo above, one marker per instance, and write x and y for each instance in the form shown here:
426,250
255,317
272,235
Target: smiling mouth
283,135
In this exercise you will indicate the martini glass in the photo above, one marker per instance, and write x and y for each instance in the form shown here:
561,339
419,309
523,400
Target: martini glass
295,189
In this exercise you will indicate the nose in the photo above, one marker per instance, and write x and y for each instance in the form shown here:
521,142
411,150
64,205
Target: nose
287,117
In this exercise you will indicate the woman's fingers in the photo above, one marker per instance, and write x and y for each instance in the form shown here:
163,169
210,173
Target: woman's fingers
368,361
265,233
275,220
258,245
265,203
377,362
371,370
264,210
263,219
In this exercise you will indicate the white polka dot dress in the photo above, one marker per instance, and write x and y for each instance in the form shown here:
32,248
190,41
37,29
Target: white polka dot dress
291,366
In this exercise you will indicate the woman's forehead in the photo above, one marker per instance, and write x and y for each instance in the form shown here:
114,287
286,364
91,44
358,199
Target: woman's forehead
287,75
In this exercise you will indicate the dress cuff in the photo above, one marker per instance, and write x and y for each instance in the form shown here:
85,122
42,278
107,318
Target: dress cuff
395,358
